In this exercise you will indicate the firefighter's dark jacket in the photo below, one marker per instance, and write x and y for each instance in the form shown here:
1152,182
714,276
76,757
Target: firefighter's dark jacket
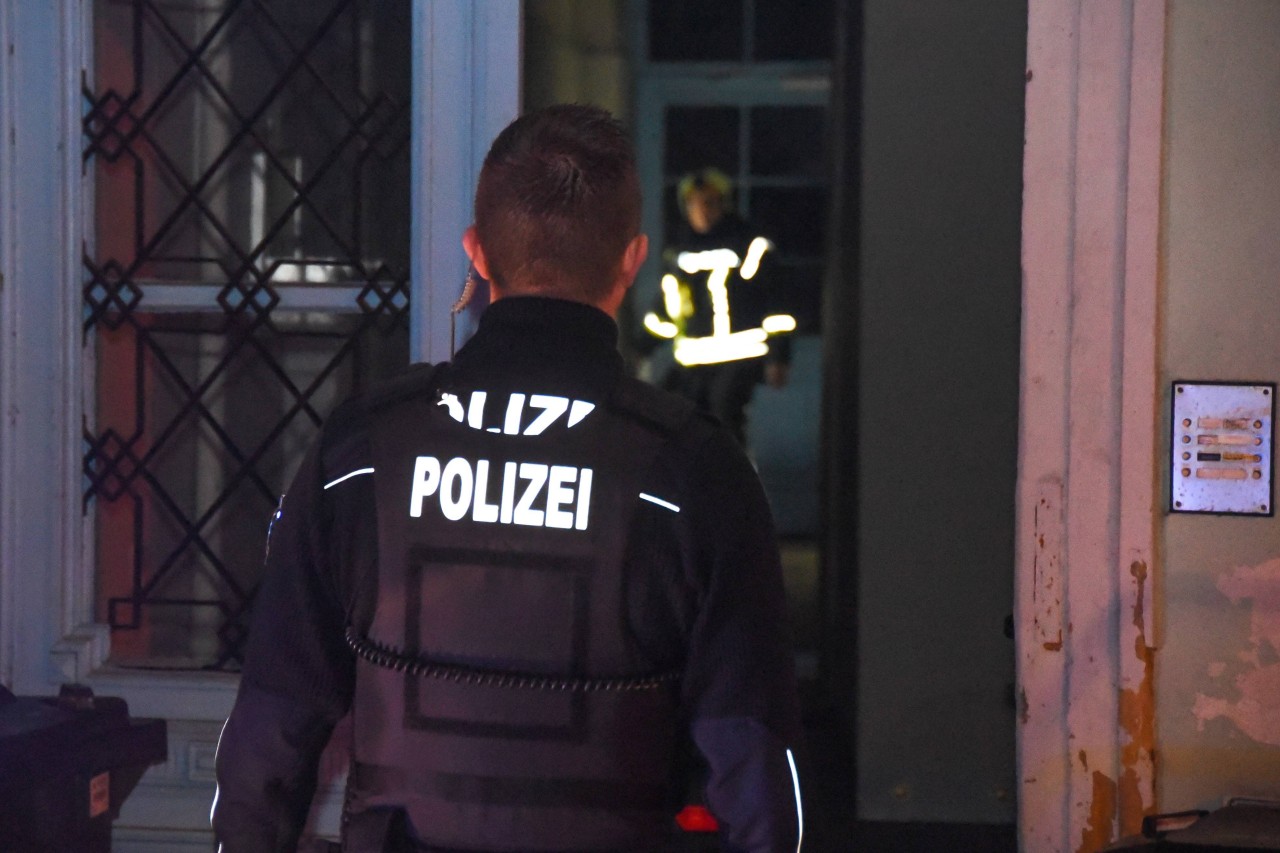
702,595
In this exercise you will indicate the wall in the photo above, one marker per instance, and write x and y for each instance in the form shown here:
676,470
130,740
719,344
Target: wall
575,52
937,385
1218,678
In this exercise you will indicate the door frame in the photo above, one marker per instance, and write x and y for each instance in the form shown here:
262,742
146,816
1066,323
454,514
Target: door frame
1090,422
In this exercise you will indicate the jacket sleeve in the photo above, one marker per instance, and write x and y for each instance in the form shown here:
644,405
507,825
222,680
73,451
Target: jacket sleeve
296,683
739,679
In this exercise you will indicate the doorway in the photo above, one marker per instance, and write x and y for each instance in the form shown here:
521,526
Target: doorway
891,467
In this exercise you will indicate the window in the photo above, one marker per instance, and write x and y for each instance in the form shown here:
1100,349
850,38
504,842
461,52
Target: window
739,30
249,269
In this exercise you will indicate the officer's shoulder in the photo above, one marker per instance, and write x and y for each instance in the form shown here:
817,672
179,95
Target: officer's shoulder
658,409
410,383
349,419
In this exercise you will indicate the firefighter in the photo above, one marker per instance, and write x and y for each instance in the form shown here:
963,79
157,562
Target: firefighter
528,577
715,305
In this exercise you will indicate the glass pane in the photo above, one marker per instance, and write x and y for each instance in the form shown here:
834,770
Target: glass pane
201,422
231,139
698,137
243,154
788,142
704,31
793,217
793,29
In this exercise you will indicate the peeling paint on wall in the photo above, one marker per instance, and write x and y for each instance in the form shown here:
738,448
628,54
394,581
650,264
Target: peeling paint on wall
1098,832
1137,719
1254,707
1046,566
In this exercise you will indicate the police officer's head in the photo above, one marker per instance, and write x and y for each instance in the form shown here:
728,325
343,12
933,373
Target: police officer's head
557,210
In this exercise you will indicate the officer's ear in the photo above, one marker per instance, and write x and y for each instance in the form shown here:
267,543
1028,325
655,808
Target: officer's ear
471,244
632,258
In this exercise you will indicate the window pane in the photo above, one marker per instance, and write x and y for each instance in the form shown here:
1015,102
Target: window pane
794,218
793,29
225,140
698,137
788,142
249,159
703,31
201,421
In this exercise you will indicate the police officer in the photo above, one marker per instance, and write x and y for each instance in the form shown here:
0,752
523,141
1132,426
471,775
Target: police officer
528,577
715,305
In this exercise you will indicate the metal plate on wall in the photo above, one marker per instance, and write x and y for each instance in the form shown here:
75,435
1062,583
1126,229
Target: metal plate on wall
1220,452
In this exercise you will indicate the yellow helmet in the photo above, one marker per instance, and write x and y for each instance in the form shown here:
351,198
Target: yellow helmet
708,177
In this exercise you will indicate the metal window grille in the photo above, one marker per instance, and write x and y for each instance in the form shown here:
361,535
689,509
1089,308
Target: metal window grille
249,164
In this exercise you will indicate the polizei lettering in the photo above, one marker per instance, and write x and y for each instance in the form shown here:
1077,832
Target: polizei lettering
527,493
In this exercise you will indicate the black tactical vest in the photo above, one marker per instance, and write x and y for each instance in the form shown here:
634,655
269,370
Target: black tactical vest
499,700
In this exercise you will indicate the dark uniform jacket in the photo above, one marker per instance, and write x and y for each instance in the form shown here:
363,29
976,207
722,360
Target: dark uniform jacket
702,594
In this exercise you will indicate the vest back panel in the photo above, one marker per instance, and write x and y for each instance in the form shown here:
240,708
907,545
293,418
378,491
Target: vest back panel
501,550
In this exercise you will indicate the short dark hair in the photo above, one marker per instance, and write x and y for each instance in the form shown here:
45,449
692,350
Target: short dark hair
557,202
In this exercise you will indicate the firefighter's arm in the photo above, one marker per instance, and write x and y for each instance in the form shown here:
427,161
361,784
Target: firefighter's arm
740,682
764,284
295,686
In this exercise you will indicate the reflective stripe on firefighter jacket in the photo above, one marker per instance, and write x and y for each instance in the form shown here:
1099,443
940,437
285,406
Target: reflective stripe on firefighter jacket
699,319
501,535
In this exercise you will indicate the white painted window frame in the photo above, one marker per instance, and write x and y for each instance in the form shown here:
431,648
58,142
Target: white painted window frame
466,81
1089,421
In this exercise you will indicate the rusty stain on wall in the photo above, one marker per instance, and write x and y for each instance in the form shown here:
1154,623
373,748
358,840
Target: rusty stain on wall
1046,567
1254,707
1137,720
1097,832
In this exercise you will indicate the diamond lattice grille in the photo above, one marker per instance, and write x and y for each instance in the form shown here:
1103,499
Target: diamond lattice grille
248,270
